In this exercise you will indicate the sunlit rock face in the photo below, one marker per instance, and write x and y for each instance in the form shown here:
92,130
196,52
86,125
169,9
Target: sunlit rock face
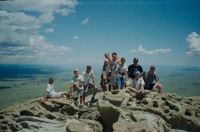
124,110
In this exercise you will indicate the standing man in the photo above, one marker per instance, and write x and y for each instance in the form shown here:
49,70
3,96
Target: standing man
133,68
87,75
77,84
149,78
113,71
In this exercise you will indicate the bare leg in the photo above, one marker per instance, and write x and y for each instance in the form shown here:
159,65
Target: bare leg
159,88
81,100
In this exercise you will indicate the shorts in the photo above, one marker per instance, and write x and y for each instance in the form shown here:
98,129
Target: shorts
56,95
103,83
79,91
149,87
121,82
86,87
112,82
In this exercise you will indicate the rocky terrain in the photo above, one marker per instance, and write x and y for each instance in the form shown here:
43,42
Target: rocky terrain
124,111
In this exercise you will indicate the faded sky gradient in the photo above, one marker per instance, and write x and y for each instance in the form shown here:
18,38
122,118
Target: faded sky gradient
80,31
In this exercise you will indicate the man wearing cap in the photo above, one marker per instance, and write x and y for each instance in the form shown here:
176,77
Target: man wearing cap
77,84
149,78
87,75
133,68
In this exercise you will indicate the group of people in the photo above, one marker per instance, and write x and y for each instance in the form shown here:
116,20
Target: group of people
115,75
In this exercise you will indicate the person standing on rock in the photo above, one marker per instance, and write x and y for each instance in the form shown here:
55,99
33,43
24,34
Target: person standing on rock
50,92
113,71
122,74
105,79
87,75
149,78
133,68
77,84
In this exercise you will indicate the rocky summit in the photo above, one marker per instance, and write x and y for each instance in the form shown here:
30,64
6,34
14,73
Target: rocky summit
127,110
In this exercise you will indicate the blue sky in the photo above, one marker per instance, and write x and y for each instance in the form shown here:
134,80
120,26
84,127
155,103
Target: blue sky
80,31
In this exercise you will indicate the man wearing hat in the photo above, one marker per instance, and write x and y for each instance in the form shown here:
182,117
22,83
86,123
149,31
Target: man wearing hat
87,75
77,84
149,78
133,68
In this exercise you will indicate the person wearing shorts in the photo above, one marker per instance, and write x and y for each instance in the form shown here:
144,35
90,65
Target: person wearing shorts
50,92
149,78
87,75
77,84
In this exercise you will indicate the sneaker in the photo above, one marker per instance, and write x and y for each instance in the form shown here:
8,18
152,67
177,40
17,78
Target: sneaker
92,99
75,98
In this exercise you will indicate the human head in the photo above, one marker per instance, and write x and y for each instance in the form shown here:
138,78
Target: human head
114,56
107,55
137,74
152,68
135,61
123,60
76,72
51,80
88,68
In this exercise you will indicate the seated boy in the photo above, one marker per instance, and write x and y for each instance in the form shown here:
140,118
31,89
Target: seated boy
50,92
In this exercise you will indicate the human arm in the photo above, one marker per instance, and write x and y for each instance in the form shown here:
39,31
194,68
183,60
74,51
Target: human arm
93,79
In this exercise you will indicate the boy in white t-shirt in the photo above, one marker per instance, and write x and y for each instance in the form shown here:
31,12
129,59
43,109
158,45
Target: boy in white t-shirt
138,82
77,84
122,74
50,92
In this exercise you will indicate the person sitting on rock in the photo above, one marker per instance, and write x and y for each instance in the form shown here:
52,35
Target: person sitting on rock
50,92
149,78
138,82
87,75
77,84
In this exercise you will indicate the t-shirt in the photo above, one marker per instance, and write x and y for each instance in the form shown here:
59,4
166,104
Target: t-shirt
149,78
51,91
77,80
132,69
87,77
137,83
122,69
113,67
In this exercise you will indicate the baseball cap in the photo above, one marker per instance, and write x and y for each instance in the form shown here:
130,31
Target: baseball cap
135,59
88,66
153,66
137,72
75,69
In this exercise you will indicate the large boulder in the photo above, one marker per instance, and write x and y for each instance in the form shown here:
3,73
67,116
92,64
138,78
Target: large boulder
124,110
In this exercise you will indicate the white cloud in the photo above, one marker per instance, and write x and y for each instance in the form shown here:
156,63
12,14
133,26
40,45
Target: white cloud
85,21
142,50
49,30
20,37
194,43
75,37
